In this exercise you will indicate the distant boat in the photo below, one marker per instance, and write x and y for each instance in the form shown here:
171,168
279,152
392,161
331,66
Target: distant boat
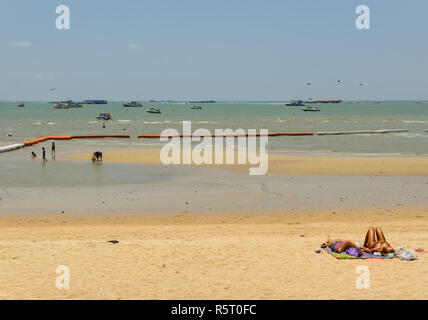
309,109
196,107
104,116
21,105
329,101
132,104
95,101
297,103
154,110
203,101
67,105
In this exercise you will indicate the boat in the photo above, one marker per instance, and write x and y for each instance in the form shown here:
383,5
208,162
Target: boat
104,116
74,105
95,101
196,107
203,101
21,105
329,101
154,110
297,103
61,106
132,104
313,109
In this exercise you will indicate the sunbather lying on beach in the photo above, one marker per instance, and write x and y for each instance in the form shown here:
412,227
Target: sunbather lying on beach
375,242
339,245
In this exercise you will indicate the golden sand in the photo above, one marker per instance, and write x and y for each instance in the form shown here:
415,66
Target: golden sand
310,165
206,257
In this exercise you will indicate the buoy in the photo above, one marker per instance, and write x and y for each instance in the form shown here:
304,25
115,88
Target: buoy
12,147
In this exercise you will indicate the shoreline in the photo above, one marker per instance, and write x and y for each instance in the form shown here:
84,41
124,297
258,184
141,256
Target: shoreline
241,256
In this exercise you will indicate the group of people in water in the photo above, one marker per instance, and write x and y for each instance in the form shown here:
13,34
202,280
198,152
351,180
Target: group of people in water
44,159
375,241
96,156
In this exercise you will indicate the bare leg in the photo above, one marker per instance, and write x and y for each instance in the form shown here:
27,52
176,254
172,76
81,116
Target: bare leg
379,234
346,244
370,237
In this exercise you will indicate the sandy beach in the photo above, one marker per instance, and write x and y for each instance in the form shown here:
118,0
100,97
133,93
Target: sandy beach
280,164
241,256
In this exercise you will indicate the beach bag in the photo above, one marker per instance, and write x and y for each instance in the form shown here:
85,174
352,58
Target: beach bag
352,252
408,255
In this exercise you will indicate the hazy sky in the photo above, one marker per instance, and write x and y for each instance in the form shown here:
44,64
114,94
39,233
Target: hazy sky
222,49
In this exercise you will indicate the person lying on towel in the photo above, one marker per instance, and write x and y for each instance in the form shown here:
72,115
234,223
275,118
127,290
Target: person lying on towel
375,242
343,246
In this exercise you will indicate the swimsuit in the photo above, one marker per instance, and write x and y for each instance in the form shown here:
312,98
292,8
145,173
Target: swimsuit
336,245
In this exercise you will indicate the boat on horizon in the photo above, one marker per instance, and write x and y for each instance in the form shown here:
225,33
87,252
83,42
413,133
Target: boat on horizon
21,105
94,102
133,104
296,103
329,101
68,105
203,101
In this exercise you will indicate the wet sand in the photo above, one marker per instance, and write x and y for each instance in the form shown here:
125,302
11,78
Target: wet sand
307,165
219,256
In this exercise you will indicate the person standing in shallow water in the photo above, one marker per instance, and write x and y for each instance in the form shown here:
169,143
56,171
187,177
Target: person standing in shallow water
44,155
53,148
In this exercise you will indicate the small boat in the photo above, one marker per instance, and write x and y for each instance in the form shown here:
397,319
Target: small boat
132,104
61,106
297,103
196,107
154,110
313,109
104,116
74,105
21,105
67,105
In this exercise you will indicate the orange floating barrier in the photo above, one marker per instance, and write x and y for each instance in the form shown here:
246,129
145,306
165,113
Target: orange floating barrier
42,139
101,136
153,136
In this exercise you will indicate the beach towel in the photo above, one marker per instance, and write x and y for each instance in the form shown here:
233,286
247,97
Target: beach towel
365,255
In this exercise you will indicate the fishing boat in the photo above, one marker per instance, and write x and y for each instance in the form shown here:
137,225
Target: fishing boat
21,105
196,107
132,104
154,110
104,116
311,109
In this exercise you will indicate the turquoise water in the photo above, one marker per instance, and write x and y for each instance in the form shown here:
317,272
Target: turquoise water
38,119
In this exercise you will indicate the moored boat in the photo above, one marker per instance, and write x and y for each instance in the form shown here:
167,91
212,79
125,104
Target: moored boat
133,104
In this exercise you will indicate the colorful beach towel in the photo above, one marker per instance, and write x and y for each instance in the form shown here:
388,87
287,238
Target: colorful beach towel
365,255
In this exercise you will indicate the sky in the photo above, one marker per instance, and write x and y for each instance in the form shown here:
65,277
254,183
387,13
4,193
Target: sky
226,50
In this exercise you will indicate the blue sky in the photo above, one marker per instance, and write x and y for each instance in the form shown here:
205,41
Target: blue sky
223,50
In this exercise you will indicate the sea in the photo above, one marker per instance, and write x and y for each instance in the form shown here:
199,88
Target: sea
28,186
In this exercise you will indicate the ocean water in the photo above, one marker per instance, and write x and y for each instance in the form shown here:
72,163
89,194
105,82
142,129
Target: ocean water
29,186
38,119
